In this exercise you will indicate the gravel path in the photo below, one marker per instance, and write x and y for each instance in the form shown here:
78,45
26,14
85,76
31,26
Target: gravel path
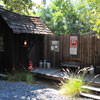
23,91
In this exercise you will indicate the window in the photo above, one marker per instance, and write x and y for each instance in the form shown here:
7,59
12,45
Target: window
1,43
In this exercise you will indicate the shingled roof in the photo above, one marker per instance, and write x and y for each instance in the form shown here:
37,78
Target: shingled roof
24,24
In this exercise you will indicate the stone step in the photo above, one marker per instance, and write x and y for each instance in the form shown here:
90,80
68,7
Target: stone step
96,89
90,96
2,75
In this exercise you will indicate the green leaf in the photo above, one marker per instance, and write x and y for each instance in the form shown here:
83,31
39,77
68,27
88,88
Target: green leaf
98,22
98,30
94,29
91,21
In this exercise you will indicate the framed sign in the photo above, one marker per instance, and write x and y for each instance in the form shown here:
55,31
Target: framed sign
55,46
73,45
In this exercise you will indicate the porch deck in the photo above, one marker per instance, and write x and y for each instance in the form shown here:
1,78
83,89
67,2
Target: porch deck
57,74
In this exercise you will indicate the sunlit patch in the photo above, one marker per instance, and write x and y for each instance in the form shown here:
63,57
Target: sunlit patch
15,96
23,97
98,36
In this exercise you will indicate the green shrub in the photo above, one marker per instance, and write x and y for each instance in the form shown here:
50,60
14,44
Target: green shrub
29,78
21,76
73,86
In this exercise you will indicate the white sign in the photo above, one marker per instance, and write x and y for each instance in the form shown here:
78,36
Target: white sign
54,42
55,46
52,47
73,51
73,37
73,45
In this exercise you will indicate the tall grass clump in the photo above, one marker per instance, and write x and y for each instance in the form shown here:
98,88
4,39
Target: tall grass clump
73,86
21,76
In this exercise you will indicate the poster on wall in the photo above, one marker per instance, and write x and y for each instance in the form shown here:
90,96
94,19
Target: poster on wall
73,45
55,46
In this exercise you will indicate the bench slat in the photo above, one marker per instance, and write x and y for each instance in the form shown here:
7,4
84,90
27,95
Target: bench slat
71,64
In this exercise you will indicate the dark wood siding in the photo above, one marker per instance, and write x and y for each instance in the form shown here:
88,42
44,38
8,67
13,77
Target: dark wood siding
2,53
33,51
88,49
15,54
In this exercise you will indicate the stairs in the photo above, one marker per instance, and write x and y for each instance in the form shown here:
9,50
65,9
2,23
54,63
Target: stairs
2,75
95,92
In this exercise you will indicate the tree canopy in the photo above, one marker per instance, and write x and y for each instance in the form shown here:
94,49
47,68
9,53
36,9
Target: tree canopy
94,6
64,16
61,16
26,7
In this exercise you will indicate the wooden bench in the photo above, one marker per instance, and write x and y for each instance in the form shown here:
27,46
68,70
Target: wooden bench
71,63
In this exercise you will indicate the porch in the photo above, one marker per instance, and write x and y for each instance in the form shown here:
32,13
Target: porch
57,74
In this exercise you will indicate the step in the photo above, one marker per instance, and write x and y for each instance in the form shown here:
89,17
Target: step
90,96
2,75
91,88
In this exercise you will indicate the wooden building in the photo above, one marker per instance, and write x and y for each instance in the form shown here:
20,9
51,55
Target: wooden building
27,38
21,40
58,48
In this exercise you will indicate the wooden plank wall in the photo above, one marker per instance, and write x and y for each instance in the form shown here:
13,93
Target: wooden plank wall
88,49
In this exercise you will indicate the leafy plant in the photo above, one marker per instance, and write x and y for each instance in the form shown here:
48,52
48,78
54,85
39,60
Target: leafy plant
29,78
67,16
26,7
94,6
73,86
21,76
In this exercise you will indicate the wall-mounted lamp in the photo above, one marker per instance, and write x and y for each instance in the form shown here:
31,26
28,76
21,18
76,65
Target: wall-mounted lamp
25,43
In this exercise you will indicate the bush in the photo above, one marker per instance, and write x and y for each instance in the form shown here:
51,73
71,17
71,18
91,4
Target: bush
21,76
73,86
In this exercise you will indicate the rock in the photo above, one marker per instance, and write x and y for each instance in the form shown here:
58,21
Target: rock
23,91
